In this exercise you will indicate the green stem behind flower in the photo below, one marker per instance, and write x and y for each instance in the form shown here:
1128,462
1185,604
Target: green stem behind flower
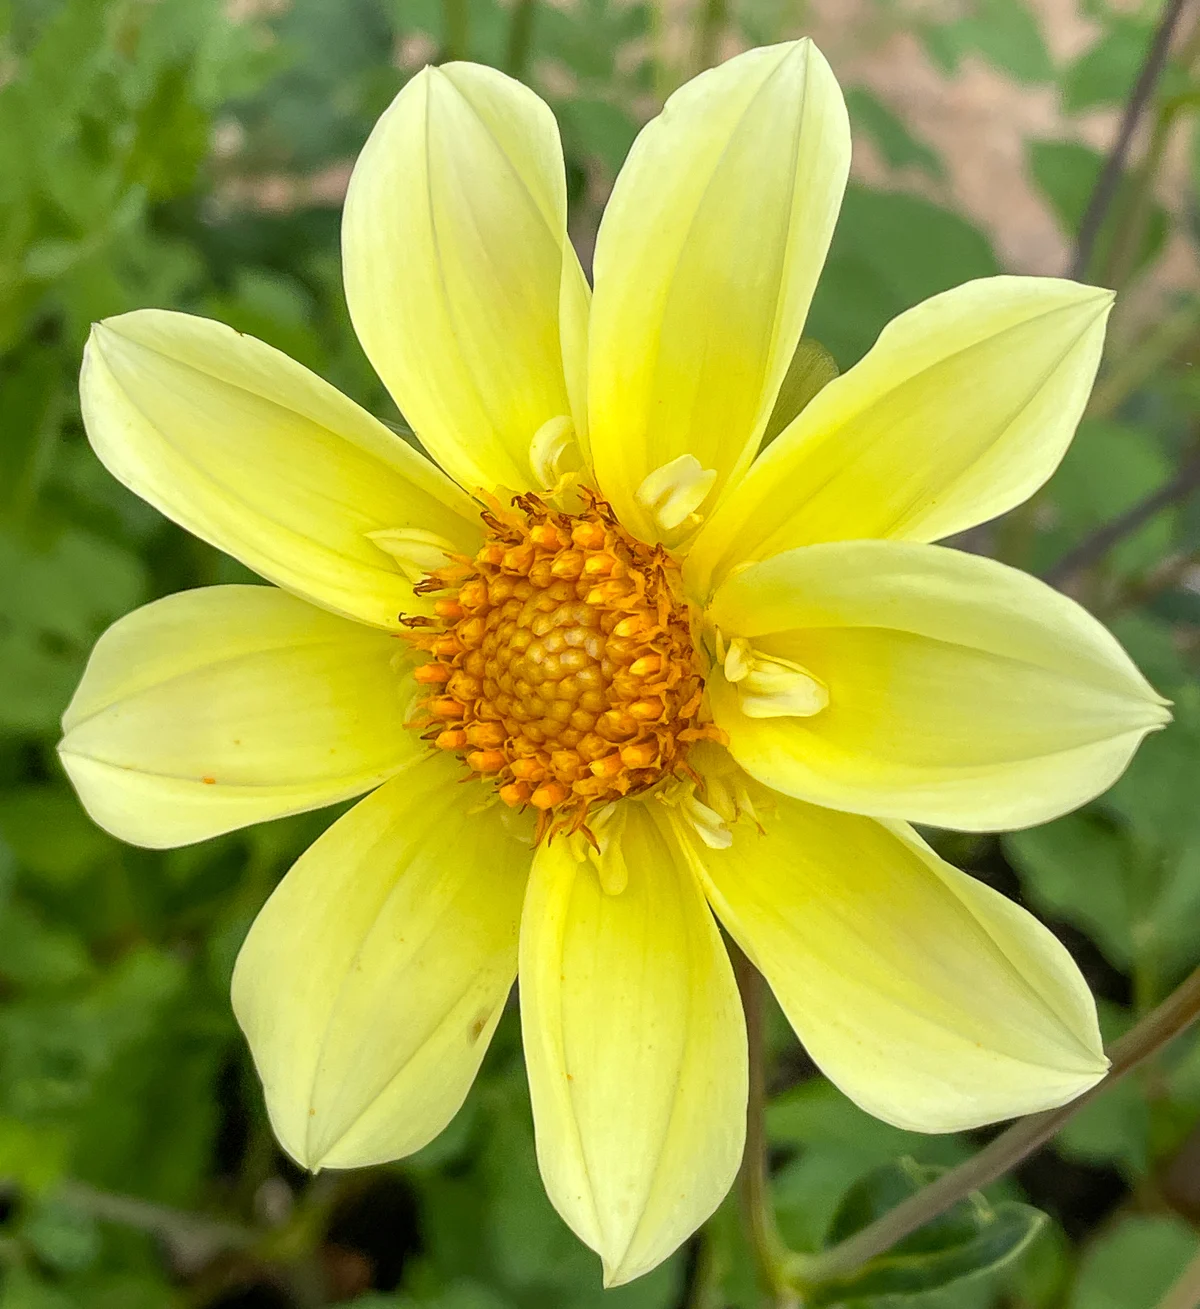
520,38
1162,1025
710,23
456,30
771,1256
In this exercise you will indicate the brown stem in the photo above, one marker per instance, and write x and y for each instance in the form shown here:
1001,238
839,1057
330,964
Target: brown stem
1109,180
1093,548
1176,1013
1185,1293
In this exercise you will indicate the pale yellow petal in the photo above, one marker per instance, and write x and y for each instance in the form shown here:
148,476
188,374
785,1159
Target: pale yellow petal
960,692
462,283
705,265
372,980
635,1047
261,458
217,708
962,409
931,1000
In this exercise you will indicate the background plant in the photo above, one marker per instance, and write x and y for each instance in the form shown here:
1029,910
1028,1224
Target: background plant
192,154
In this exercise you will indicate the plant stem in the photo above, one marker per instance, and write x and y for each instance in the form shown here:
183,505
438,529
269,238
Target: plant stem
1185,1293
754,1188
520,38
1122,255
1163,1024
713,14
457,29
1109,180
1093,548
197,1234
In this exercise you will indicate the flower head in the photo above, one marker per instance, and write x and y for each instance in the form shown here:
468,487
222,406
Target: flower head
680,673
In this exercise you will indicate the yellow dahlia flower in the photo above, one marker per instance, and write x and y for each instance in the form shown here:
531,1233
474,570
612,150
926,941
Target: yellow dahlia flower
688,675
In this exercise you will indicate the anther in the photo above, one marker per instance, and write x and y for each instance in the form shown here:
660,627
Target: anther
548,795
589,535
634,625
450,609
473,593
486,736
518,558
599,565
445,707
453,738
646,666
515,794
430,674
486,761
640,755
547,536
568,565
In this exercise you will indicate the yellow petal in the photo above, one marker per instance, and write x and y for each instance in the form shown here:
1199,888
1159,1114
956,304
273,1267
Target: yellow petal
456,260
261,458
705,265
931,1000
962,409
635,1047
217,708
372,980
961,692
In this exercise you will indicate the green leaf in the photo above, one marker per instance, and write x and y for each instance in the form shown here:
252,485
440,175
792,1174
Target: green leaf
972,1239
51,835
597,128
62,1237
838,1145
1066,174
1109,468
897,145
889,252
1104,73
1133,1264
1077,869
1005,32
1111,1130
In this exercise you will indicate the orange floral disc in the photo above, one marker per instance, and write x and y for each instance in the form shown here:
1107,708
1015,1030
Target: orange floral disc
563,664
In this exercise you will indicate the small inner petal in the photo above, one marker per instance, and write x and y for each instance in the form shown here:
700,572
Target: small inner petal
674,492
771,687
554,452
416,552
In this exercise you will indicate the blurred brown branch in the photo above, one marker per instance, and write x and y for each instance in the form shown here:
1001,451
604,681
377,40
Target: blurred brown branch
1109,181
1093,548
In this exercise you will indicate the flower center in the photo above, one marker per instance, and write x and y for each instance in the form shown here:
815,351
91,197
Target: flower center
562,662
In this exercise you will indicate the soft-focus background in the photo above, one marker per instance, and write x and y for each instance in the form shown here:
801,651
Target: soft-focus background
193,154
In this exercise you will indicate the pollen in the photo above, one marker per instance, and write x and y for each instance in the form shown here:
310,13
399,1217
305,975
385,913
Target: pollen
562,667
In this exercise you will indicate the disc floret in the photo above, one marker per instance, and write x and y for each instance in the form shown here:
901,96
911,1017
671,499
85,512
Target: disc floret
562,662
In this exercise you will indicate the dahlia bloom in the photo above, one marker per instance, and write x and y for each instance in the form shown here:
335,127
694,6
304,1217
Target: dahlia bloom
687,676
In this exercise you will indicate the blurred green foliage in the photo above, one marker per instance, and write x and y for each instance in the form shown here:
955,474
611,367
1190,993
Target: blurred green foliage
189,154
